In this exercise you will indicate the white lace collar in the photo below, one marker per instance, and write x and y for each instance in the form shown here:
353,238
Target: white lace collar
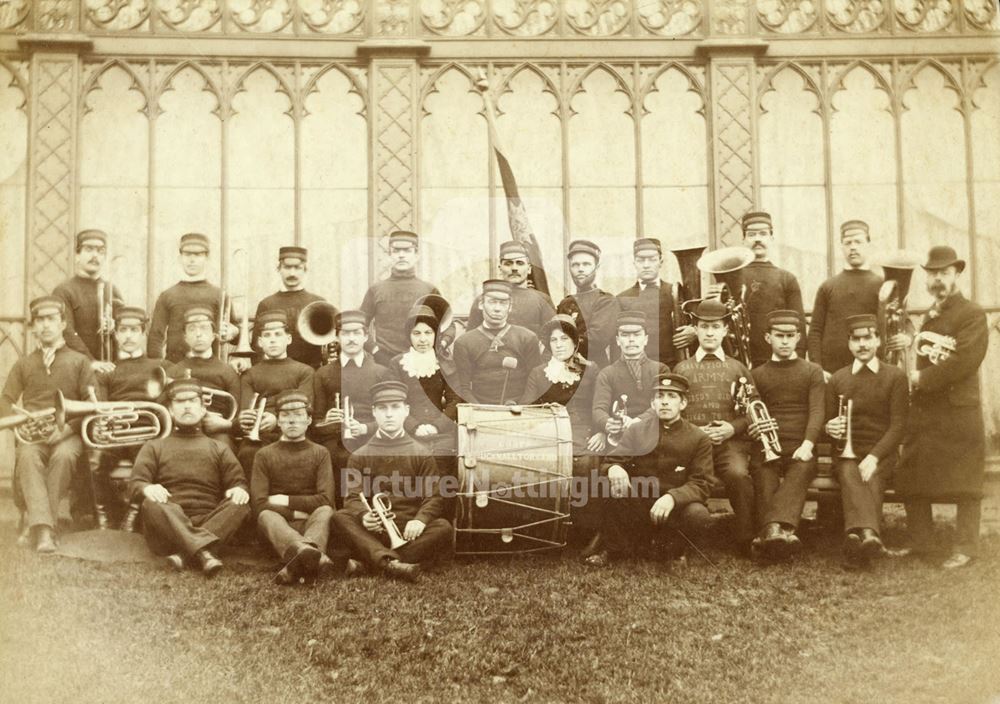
419,364
557,372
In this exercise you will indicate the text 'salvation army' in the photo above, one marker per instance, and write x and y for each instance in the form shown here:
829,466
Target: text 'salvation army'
329,434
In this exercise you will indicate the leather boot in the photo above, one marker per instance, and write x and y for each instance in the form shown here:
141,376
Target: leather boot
871,544
772,541
210,564
406,571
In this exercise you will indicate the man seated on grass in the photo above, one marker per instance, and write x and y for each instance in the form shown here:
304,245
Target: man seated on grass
660,476
292,490
193,486
395,463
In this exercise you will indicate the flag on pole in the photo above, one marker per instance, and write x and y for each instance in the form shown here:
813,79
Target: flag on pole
517,216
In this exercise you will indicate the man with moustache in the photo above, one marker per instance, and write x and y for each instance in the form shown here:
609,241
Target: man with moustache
494,358
529,308
768,288
944,450
42,470
387,303
291,299
655,299
594,311
79,296
193,493
167,325
854,291
660,477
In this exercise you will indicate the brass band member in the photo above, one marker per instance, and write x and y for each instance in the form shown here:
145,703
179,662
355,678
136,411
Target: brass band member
529,308
768,288
267,378
854,291
346,384
632,376
433,402
711,375
80,298
793,391
593,311
944,449
167,325
42,471
494,358
879,398
387,303
292,493
568,379
654,297
291,299
205,367
394,463
675,458
193,491
128,382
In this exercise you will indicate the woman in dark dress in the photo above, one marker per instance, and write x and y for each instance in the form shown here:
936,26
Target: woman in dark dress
567,379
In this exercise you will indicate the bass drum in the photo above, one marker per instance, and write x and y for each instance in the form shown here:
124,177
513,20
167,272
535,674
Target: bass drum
515,467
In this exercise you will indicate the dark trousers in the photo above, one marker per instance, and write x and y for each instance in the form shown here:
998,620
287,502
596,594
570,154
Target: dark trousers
731,468
339,455
103,464
285,536
920,523
246,454
781,488
626,524
43,474
169,530
437,541
862,501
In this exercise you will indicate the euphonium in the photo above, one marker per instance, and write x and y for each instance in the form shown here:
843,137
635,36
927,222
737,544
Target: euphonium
898,271
110,424
31,427
726,265
688,288
845,410
935,346
382,508
745,398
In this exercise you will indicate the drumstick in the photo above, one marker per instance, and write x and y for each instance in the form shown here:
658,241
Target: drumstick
508,364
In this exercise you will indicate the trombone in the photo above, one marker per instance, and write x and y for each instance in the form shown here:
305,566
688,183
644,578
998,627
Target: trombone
382,509
106,313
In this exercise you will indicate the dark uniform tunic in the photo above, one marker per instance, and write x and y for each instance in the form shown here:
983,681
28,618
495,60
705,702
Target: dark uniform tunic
291,304
675,459
79,294
269,377
657,302
618,379
595,313
851,292
769,288
387,303
529,308
167,324
479,355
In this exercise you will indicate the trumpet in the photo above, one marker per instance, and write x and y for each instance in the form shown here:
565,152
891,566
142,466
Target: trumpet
726,265
845,409
244,347
619,410
32,427
382,508
935,346
110,424
745,398
258,404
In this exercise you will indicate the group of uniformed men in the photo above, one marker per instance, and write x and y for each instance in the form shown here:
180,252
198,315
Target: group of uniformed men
384,406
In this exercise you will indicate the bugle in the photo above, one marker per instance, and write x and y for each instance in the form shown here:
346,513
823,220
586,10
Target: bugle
845,409
688,288
747,403
382,508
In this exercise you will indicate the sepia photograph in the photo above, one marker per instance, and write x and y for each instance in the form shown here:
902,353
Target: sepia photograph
500,351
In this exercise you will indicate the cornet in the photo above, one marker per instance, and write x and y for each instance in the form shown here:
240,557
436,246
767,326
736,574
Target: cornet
935,346
846,410
257,404
619,410
744,396
348,416
383,510
109,424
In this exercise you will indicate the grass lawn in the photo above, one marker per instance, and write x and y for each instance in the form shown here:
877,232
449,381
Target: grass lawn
506,630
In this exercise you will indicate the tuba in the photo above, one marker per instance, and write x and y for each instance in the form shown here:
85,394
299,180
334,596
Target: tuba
32,427
898,270
687,289
112,424
747,403
726,265
935,346
382,508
